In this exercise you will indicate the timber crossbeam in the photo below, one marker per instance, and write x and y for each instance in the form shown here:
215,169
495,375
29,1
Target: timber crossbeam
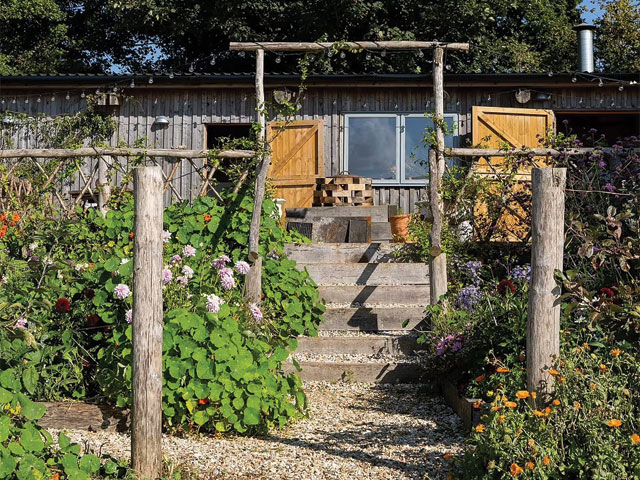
494,152
122,152
360,45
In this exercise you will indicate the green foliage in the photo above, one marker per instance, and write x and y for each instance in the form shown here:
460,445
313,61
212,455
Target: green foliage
618,36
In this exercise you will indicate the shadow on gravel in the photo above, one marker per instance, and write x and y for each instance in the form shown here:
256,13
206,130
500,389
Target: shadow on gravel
410,434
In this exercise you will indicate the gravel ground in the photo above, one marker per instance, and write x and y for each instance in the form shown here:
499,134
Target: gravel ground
354,431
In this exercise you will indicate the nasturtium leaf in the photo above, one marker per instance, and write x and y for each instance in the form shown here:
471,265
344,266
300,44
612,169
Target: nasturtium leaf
31,410
89,463
251,416
200,417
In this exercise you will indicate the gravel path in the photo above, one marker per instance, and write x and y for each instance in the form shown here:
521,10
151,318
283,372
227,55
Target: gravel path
354,431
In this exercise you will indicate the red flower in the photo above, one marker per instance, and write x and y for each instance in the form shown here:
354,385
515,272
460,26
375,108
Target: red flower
93,320
607,292
62,305
203,401
131,235
504,285
88,293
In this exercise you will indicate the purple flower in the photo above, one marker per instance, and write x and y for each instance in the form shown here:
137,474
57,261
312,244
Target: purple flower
121,291
214,303
189,251
182,280
21,323
187,271
166,276
472,268
521,272
610,187
166,236
226,278
242,267
468,297
175,259
602,164
221,262
256,313
129,316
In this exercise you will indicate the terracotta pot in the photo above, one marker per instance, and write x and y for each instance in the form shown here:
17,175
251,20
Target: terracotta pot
400,227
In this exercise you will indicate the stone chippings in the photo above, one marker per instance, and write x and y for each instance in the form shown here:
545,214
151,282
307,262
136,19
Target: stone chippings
354,431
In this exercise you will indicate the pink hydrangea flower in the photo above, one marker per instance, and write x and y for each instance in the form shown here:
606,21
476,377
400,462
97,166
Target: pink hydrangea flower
182,280
256,313
221,262
242,267
166,236
121,291
187,271
21,323
166,276
189,251
226,278
129,316
214,303
175,260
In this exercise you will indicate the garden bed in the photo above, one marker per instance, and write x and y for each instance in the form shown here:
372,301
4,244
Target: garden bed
461,405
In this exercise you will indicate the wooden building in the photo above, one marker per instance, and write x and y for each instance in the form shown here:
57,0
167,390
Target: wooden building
366,124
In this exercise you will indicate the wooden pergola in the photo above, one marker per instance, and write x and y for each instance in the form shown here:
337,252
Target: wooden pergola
438,266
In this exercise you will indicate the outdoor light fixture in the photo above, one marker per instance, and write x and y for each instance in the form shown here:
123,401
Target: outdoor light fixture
543,96
161,121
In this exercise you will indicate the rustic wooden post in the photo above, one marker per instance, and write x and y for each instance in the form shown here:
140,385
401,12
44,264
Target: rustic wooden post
146,425
438,260
547,237
253,284
104,187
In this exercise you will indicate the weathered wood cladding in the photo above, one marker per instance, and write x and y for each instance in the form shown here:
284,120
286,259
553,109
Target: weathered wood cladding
189,110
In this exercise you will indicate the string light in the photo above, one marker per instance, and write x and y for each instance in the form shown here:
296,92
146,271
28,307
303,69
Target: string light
613,103
448,67
368,56
343,55
14,100
279,59
420,53
574,79
132,84
241,53
581,101
191,68
82,95
171,74
26,100
150,80
600,83
67,96
330,53
39,99
489,98
98,91
550,73
621,88
53,98
213,60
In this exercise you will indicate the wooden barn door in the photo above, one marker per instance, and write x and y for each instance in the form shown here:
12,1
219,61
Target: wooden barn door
496,127
296,160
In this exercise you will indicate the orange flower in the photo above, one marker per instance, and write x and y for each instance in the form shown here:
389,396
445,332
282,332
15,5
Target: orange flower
538,413
131,235
480,428
553,372
593,386
500,418
615,352
577,405
534,395
556,403
502,370
55,476
603,367
562,379
510,404
529,465
614,422
16,218
546,460
547,411
3,217
478,404
207,217
480,379
522,394
635,438
495,409
447,456
522,357
516,469
203,401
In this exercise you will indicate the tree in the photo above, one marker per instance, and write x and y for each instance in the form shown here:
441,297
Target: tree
618,36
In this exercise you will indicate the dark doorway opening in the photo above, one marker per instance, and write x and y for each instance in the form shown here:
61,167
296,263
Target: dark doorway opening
217,135
613,125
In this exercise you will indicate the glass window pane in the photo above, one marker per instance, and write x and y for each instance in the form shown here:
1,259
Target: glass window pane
372,147
416,152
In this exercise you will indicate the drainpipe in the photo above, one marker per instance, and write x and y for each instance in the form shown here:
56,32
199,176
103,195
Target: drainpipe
585,47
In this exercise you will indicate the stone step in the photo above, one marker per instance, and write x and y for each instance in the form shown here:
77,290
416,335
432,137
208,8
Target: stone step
357,295
361,345
373,319
379,213
367,273
393,372
381,232
376,252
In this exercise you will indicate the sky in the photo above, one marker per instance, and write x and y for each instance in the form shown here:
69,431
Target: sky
590,17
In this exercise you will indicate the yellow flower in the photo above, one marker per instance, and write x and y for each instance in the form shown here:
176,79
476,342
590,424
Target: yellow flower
546,460
480,428
531,442
516,469
500,418
528,465
576,405
615,352
510,404
502,370
635,438
556,403
614,422
538,413
522,394
553,372
603,367
534,395
490,393
593,386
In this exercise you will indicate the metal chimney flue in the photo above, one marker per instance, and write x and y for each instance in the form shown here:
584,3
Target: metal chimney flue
585,47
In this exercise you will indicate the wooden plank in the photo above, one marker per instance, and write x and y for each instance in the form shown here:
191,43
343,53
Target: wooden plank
85,417
373,318
385,373
363,345
359,231
357,295
368,273
362,44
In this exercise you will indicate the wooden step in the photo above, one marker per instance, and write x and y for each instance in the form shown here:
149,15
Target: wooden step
373,319
356,295
378,213
367,273
340,252
362,345
381,232
394,372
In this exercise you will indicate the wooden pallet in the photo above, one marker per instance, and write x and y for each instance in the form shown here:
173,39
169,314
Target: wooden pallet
343,190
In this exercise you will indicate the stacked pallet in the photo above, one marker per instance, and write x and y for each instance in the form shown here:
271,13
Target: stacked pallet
343,190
